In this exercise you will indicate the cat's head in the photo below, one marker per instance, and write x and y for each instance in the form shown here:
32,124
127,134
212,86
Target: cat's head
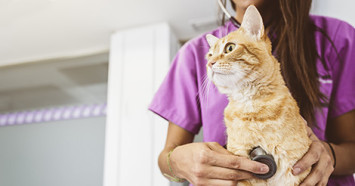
242,56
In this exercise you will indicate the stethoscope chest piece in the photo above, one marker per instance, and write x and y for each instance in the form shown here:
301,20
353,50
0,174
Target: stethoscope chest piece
258,154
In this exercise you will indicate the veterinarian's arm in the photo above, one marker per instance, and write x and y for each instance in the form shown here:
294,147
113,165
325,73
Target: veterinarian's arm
176,136
340,132
204,163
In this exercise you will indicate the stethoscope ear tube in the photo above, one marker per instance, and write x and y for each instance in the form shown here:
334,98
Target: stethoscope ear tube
235,22
231,18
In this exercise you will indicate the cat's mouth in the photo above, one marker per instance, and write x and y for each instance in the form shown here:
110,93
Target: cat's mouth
218,74
221,72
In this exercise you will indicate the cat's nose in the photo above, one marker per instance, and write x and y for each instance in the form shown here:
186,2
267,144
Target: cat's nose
210,64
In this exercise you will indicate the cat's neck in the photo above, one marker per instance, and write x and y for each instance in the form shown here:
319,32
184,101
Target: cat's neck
259,89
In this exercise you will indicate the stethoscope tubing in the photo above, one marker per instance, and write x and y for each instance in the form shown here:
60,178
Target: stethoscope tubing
231,18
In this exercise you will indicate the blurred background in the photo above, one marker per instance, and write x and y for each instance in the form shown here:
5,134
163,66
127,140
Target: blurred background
76,78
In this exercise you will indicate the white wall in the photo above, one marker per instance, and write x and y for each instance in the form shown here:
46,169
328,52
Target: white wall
60,153
341,9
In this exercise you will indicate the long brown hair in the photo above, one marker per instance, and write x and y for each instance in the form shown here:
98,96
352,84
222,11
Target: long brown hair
295,48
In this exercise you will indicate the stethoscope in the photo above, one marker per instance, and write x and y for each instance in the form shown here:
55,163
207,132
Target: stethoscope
231,18
258,154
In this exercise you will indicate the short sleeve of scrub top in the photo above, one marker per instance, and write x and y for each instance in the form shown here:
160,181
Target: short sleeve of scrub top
177,98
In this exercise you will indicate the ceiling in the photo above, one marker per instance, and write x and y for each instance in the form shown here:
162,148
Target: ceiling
67,43
32,30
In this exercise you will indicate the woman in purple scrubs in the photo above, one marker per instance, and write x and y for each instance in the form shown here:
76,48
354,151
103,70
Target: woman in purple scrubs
317,56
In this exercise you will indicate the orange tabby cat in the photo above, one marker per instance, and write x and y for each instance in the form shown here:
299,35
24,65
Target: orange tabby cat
261,111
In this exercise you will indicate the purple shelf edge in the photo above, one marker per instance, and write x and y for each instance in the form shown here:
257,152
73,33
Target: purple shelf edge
53,114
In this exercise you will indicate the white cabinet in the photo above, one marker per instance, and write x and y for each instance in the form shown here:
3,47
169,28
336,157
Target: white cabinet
139,61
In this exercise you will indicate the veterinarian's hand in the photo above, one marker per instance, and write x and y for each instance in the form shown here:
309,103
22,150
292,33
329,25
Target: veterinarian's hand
318,157
211,164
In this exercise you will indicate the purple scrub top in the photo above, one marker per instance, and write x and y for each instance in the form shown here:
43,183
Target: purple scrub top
187,99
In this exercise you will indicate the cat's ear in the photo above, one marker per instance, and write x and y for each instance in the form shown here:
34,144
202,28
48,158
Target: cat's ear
211,39
253,23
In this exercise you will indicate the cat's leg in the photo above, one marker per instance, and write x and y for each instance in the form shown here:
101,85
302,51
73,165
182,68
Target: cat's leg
258,182
244,183
253,182
297,180
292,180
284,175
239,150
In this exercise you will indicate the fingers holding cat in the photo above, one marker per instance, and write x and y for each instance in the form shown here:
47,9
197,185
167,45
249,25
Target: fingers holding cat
228,160
211,164
317,157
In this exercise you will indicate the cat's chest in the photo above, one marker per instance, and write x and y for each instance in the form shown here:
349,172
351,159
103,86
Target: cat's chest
253,118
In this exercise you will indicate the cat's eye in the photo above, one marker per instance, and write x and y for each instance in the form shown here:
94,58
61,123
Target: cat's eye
229,48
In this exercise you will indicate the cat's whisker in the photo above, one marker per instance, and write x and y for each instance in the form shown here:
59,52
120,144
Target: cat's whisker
208,90
203,86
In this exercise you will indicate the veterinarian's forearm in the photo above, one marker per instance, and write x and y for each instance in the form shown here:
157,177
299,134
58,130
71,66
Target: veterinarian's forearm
162,162
176,136
345,158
